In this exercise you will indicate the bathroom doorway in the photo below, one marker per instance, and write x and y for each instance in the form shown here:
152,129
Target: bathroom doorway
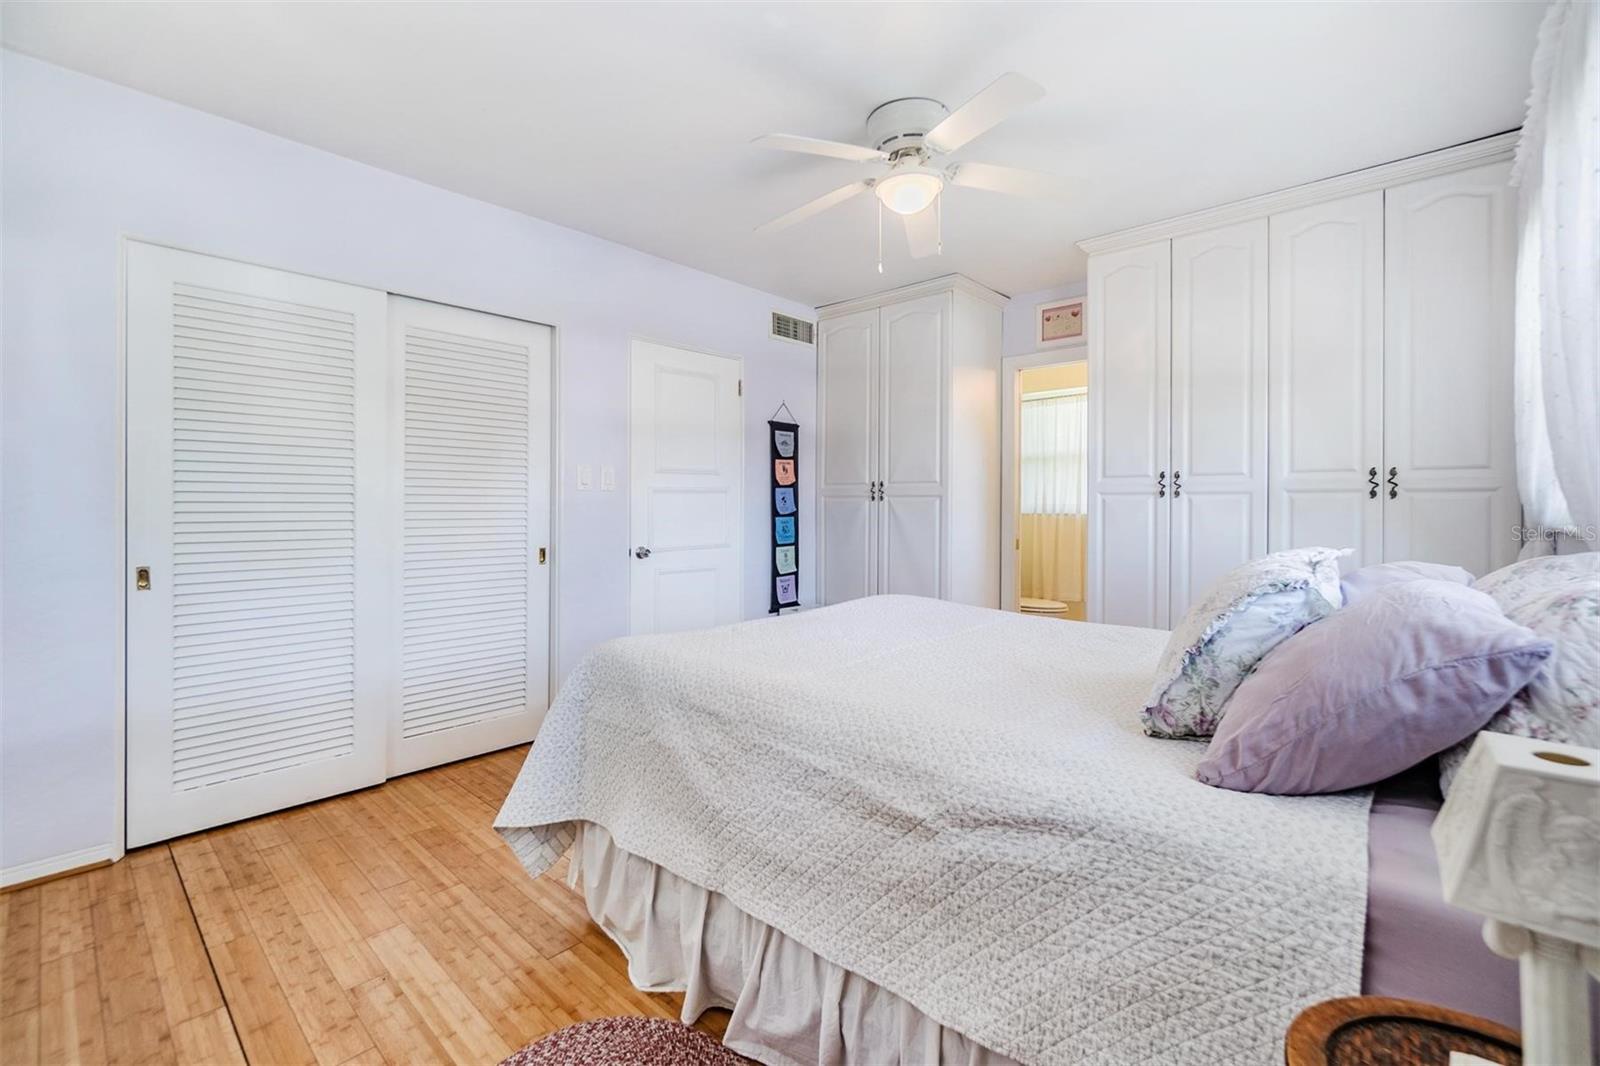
1045,428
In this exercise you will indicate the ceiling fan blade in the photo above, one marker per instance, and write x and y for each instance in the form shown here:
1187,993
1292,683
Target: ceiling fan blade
922,232
994,104
815,207
1012,180
788,142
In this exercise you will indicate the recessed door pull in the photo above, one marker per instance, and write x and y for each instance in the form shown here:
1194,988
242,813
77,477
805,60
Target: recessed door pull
141,579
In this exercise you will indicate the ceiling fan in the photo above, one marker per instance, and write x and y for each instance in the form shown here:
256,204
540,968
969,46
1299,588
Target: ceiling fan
907,138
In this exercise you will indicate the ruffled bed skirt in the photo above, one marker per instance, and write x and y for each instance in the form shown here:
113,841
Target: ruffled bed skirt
790,1006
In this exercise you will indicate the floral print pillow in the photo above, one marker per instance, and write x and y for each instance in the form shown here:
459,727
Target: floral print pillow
1558,597
1250,611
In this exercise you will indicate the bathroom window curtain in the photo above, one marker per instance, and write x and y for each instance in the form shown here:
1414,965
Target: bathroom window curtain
1055,441
1054,495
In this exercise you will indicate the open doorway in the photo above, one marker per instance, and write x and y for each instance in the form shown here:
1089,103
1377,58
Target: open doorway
1046,500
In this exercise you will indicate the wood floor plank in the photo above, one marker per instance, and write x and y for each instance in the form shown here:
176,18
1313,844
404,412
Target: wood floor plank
462,1030
19,977
261,1012
401,1034
364,850
209,1039
19,1038
64,925
131,1006
188,987
458,947
210,893
362,904
70,1025
343,948
318,1000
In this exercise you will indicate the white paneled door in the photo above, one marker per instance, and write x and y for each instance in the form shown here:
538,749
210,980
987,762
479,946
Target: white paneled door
1326,377
471,486
686,479
1219,406
1130,329
1450,492
259,586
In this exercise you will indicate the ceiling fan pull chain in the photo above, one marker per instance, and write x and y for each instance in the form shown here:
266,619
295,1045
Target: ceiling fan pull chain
880,236
938,206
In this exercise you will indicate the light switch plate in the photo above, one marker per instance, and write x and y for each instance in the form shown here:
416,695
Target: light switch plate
585,475
608,478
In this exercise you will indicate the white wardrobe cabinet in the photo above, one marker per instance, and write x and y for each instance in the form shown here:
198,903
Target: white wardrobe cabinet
1326,366
1177,394
908,444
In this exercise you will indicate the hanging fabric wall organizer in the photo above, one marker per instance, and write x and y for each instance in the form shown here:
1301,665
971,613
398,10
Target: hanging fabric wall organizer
784,439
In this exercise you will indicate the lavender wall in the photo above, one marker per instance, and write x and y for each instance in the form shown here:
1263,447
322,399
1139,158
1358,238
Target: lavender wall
87,162
1017,329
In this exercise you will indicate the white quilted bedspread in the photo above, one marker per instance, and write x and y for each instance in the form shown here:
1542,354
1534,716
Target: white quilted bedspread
960,805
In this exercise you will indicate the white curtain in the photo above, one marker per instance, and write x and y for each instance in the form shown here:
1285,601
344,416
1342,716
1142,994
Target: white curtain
1055,441
1054,495
1557,382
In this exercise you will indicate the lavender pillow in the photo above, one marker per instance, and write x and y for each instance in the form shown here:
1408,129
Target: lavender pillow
1407,671
1361,583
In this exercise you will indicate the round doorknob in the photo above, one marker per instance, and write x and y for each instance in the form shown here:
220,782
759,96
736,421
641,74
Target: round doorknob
641,552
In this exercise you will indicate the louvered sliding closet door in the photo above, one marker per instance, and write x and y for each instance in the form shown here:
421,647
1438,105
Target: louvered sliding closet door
474,427
258,659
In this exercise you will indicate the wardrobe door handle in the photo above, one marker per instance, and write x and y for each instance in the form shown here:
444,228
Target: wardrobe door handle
1161,485
1177,484
1372,483
1394,483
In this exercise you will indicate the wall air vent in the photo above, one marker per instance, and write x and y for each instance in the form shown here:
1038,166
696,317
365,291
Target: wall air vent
788,328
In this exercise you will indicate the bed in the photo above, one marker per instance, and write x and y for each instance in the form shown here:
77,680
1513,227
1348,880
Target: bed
900,829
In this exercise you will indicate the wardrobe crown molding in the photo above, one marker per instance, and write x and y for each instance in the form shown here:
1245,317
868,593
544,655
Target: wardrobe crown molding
1460,157
946,283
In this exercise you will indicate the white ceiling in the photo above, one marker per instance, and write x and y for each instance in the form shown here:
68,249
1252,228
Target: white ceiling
632,122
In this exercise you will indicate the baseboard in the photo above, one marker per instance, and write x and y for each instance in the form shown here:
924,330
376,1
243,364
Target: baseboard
57,866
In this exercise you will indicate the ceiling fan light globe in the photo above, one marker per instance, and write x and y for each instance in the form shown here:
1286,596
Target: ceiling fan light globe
907,194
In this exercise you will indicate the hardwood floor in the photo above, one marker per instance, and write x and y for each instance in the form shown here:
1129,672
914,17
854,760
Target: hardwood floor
386,926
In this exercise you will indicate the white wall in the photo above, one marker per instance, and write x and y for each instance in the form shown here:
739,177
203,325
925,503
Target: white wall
86,162
1018,333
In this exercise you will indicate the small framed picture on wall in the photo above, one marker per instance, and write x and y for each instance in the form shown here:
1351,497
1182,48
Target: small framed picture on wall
1060,320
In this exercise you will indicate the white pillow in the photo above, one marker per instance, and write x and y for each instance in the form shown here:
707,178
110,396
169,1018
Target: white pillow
1558,597
1250,611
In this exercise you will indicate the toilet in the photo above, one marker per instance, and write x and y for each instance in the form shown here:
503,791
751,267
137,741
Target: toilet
1046,608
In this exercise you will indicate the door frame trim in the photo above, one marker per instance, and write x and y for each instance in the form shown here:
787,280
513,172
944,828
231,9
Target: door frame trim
634,340
116,848
1011,368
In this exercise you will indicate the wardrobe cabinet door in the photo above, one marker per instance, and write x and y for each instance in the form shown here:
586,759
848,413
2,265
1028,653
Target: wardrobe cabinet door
911,442
1448,266
1219,406
471,433
1325,377
912,535
847,456
911,393
259,593
1130,364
